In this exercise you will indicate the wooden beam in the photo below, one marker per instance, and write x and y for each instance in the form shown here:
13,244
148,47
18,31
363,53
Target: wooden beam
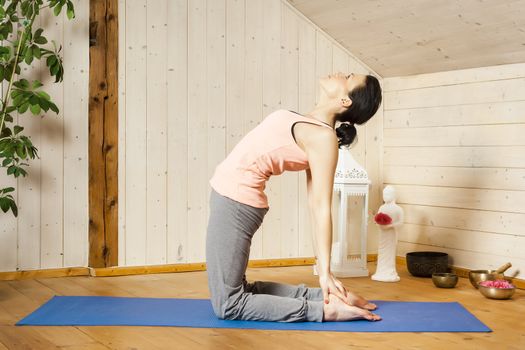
190,267
169,268
44,273
148,269
103,133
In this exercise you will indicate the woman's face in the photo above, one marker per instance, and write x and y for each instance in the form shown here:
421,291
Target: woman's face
337,86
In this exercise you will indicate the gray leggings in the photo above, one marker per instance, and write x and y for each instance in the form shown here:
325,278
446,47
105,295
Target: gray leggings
230,230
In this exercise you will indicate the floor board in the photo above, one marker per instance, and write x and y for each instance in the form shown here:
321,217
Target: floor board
19,298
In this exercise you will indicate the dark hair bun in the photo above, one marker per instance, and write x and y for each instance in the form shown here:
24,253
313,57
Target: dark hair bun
346,133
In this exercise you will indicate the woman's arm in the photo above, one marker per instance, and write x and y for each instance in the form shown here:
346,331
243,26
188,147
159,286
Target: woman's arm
312,212
322,152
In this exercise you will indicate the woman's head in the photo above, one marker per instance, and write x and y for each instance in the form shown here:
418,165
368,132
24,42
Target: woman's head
355,99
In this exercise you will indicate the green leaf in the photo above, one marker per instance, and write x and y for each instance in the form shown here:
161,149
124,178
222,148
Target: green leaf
5,204
18,100
40,40
15,93
70,14
8,189
57,9
29,11
36,52
33,151
9,118
37,84
38,33
33,99
43,94
24,83
44,104
60,74
14,208
23,108
6,133
6,161
28,56
18,128
24,7
55,69
25,140
51,60
53,107
9,152
11,169
21,151
35,109
70,10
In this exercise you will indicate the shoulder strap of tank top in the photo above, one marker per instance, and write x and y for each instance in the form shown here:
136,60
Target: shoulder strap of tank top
312,120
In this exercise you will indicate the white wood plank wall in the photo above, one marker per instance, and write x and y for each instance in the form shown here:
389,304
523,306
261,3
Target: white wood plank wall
194,77
454,150
51,230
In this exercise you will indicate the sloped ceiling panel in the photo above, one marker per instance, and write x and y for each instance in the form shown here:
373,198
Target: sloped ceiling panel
406,37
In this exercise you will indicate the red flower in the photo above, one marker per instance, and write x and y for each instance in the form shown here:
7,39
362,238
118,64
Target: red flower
497,284
382,219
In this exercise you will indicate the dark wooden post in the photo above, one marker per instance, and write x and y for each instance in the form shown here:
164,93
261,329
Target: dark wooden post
103,133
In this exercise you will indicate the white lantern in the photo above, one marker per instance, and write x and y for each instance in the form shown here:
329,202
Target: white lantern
349,257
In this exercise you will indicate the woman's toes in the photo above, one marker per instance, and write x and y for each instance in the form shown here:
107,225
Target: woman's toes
370,306
372,317
356,300
365,305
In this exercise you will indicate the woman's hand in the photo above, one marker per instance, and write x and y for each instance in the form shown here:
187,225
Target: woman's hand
331,285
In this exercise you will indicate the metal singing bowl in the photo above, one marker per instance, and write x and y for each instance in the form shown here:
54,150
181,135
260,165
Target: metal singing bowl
497,293
477,276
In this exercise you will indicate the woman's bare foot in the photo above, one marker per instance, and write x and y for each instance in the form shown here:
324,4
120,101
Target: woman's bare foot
356,300
338,310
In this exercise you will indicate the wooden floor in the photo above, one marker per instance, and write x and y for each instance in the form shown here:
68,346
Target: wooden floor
19,298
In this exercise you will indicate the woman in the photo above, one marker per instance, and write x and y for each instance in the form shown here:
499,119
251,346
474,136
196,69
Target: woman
286,141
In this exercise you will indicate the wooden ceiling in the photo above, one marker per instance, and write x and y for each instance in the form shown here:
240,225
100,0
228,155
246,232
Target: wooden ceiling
406,37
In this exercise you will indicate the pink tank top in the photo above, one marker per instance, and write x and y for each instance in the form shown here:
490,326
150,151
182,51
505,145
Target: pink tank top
268,149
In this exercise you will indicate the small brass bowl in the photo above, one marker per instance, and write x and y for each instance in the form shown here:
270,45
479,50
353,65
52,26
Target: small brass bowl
477,276
445,280
496,293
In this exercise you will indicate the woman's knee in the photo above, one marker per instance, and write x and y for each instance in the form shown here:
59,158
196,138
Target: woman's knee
224,307
217,306
223,312
227,308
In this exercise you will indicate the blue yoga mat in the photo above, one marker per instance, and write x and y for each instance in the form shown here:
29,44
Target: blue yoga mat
125,311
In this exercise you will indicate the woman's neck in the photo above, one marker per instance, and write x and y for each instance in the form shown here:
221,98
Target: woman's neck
323,114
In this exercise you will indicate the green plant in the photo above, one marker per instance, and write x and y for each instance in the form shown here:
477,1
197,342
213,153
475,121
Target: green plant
21,94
